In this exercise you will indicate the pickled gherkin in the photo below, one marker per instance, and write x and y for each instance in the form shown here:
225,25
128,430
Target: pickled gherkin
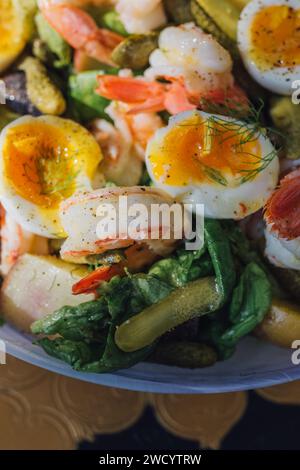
196,299
286,118
224,13
134,51
186,354
178,11
205,22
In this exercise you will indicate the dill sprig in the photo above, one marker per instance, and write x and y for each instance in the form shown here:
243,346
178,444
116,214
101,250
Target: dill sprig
54,170
246,131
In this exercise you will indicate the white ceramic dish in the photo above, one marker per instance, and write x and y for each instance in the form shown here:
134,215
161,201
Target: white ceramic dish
256,364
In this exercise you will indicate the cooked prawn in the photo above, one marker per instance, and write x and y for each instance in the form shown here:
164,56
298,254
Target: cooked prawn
145,96
80,30
283,223
195,67
84,239
124,143
141,16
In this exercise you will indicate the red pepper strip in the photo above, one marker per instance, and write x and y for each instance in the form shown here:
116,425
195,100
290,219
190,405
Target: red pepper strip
89,283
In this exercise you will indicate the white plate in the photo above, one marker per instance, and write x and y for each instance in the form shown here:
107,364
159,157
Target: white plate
256,364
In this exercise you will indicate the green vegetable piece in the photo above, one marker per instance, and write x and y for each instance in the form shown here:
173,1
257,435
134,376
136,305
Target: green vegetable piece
179,11
246,253
88,104
205,22
42,92
111,20
220,251
42,52
6,116
286,118
54,41
135,50
224,13
75,353
250,303
196,299
240,4
82,322
183,267
186,354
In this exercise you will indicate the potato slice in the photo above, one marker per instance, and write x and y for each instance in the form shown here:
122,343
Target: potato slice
282,324
37,286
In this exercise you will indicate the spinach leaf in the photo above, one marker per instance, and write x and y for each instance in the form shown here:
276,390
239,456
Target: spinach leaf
56,44
83,98
79,323
250,303
220,252
87,331
183,267
245,252
75,353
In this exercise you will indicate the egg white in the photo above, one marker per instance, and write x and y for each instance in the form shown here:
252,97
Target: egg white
33,218
278,80
280,252
220,202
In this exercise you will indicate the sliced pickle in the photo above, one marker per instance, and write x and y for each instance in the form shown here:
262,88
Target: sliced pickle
186,354
134,51
178,11
224,13
196,299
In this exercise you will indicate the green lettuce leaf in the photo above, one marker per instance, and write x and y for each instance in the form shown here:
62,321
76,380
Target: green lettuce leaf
221,255
87,103
55,43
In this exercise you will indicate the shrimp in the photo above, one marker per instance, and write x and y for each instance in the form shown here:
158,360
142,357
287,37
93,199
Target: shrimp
124,143
88,239
141,16
120,165
193,63
15,241
186,51
143,95
80,30
282,216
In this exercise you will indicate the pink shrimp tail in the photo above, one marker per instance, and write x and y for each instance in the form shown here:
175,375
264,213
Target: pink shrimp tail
73,24
82,33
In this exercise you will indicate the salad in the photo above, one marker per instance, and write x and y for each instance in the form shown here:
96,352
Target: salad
161,102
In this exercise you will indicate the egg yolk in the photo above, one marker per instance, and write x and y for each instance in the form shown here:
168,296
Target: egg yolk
275,37
206,151
40,163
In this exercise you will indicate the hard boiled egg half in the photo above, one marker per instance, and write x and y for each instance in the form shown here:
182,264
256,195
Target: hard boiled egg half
227,165
43,161
269,42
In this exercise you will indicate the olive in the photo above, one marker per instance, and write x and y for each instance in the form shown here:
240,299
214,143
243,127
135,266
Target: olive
16,95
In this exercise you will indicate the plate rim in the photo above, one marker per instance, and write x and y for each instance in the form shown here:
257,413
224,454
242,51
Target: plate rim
125,379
